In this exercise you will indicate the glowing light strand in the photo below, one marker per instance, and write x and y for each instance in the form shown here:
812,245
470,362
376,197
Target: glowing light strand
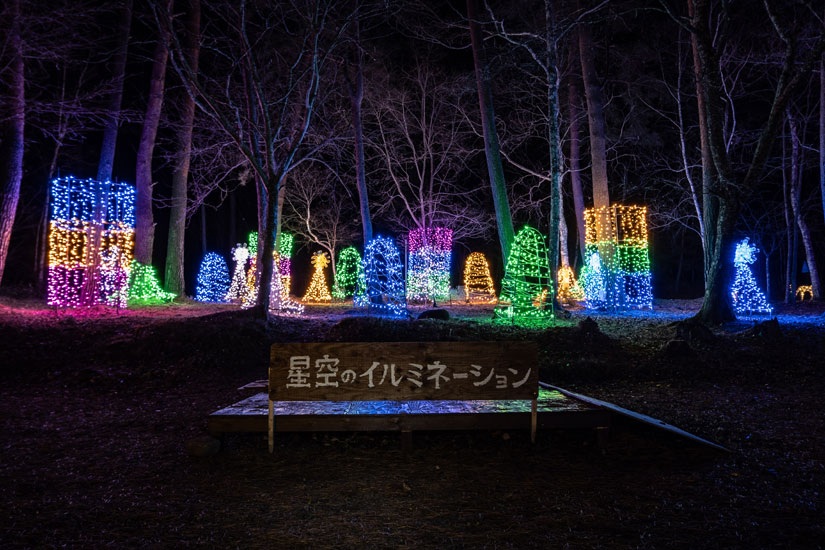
383,279
213,279
478,284
524,290
428,270
91,238
144,287
618,235
568,287
318,290
238,290
348,270
747,297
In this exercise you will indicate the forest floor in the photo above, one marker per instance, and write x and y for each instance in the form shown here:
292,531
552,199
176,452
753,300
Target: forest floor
96,408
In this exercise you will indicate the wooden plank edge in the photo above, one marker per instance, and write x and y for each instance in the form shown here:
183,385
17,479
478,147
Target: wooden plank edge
632,415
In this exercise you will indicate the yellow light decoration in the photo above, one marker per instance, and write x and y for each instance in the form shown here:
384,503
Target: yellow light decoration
617,234
569,289
318,291
804,290
478,284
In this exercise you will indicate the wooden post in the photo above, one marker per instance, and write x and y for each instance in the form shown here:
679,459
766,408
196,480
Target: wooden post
271,426
533,419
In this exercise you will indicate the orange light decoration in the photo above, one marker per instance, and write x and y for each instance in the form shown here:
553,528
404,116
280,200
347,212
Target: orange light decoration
478,284
318,291
568,286
91,238
804,290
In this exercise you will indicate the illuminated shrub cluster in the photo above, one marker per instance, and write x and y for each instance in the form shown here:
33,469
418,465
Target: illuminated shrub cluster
348,271
213,279
383,279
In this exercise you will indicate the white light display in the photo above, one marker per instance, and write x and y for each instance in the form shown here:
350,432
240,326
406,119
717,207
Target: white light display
747,297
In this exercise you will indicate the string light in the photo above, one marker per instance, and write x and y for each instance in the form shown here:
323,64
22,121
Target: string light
568,287
804,290
213,279
279,299
347,272
383,279
524,294
318,290
478,284
238,290
144,287
618,234
747,297
284,267
91,238
428,272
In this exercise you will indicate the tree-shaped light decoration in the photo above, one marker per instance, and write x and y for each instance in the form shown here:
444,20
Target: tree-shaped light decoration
213,279
279,299
747,297
91,238
251,272
318,290
383,277
281,258
238,290
524,295
428,272
144,287
618,234
568,287
594,281
347,272
478,284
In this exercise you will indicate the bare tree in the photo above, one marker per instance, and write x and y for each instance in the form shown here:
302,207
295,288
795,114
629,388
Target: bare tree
265,105
11,126
422,139
174,281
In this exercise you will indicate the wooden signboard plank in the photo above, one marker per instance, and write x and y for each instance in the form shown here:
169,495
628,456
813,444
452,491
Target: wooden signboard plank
403,371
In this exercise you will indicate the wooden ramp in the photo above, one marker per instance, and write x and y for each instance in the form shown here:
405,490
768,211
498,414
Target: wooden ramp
555,411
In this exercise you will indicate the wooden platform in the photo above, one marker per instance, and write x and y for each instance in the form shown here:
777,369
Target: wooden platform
555,411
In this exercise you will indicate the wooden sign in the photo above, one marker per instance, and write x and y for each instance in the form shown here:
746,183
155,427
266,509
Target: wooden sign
403,371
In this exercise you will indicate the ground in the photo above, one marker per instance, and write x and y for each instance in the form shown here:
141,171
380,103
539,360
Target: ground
96,408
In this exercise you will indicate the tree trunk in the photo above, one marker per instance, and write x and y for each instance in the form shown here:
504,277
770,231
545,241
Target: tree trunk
356,97
822,131
491,146
11,134
554,143
107,147
144,221
203,229
575,166
174,279
595,117
796,188
789,294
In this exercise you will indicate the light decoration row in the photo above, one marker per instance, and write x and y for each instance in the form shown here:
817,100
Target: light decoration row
91,239
804,290
428,271
524,290
144,287
318,290
213,279
348,271
747,297
383,291
617,234
568,287
478,283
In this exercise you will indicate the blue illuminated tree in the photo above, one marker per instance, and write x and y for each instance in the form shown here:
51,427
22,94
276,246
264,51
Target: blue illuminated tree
213,279
384,280
747,297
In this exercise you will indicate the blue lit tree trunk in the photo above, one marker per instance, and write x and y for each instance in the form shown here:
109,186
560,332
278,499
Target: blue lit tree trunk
11,132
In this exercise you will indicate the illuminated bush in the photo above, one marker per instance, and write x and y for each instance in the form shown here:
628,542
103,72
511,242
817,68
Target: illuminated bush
348,271
428,271
384,292
213,279
144,287
747,297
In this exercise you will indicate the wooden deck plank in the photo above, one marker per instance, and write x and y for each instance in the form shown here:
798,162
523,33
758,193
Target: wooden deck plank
554,411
